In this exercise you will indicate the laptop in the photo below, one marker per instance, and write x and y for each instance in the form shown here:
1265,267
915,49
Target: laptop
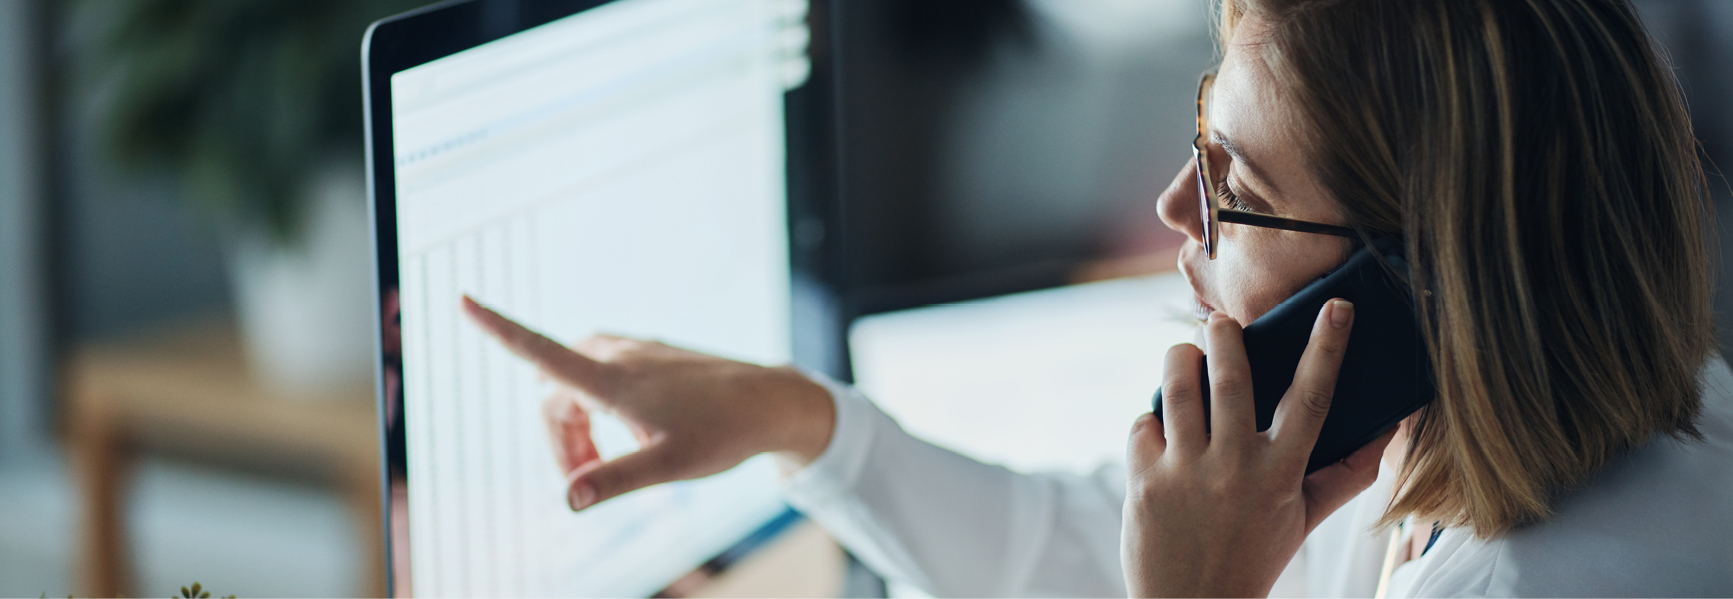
623,166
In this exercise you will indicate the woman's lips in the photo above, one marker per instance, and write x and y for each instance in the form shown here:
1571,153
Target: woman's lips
1201,308
1188,255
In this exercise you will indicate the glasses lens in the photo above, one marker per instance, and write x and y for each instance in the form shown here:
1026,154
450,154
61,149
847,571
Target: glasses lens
1206,196
1206,204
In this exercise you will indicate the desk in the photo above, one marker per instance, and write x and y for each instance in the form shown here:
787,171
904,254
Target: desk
188,392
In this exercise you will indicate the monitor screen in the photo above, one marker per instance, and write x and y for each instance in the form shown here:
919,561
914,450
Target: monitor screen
619,170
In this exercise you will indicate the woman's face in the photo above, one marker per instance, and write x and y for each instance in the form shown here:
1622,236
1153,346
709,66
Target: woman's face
1258,152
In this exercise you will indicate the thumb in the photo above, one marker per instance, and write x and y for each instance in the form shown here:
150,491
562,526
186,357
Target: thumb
1332,486
600,481
1146,444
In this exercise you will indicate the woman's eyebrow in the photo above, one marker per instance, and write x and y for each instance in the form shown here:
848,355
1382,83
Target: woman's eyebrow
1239,158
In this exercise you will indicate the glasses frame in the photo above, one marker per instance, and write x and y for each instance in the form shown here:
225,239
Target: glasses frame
1210,210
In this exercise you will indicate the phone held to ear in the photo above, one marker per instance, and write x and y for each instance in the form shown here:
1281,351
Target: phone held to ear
1386,374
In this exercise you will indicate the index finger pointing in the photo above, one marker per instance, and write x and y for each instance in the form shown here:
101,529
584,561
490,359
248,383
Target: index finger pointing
557,360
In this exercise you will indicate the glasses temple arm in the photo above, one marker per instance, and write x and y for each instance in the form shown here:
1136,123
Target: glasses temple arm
1285,224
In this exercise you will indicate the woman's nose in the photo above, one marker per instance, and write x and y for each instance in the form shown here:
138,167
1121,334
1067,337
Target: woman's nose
1179,205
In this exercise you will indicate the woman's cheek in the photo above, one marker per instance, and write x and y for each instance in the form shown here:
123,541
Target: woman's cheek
1250,290
1272,269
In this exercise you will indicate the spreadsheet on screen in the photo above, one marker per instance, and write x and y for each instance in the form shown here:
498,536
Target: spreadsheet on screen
620,170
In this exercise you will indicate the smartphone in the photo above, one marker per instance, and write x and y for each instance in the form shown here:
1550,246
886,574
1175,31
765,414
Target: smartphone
1386,373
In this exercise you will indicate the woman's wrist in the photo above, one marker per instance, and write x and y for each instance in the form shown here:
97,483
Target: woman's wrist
809,419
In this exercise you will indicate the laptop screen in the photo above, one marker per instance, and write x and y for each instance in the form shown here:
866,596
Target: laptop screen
619,170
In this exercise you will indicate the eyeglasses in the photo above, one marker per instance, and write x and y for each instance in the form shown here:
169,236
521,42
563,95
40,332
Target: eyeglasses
1209,197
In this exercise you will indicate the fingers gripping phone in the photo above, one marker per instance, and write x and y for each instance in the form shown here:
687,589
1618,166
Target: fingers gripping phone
1386,374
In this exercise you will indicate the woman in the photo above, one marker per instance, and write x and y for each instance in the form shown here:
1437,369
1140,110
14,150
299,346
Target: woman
1537,160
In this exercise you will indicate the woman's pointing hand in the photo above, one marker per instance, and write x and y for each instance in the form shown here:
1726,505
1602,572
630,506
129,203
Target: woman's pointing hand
694,414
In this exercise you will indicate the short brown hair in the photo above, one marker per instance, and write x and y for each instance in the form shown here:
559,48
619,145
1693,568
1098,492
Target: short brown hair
1537,157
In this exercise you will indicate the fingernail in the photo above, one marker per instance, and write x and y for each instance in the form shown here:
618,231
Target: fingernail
582,496
1341,313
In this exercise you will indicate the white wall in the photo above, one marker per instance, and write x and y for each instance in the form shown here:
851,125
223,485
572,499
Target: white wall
23,322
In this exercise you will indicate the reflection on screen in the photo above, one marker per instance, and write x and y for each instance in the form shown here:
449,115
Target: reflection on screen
620,170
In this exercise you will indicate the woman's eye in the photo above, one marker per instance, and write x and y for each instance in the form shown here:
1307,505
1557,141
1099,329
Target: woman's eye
1229,198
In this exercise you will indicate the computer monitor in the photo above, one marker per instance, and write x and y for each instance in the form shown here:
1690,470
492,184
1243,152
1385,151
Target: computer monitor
584,166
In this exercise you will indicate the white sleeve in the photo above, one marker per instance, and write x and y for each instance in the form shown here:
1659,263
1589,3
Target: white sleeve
926,516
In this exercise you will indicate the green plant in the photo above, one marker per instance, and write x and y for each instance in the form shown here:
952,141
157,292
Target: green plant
197,592
238,100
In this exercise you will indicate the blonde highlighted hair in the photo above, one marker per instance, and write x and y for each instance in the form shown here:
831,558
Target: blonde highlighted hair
1537,158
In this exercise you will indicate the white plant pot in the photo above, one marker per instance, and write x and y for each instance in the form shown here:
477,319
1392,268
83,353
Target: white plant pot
305,309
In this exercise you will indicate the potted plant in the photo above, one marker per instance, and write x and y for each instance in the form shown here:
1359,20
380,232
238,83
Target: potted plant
254,108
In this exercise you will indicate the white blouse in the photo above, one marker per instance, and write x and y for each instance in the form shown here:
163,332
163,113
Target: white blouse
1656,522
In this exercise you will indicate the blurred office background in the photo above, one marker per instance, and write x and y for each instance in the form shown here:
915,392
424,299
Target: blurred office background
1004,142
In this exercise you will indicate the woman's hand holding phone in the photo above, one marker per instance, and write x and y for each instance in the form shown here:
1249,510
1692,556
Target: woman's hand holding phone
1221,513
693,414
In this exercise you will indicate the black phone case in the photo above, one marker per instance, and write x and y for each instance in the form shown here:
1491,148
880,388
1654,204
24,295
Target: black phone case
1386,374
